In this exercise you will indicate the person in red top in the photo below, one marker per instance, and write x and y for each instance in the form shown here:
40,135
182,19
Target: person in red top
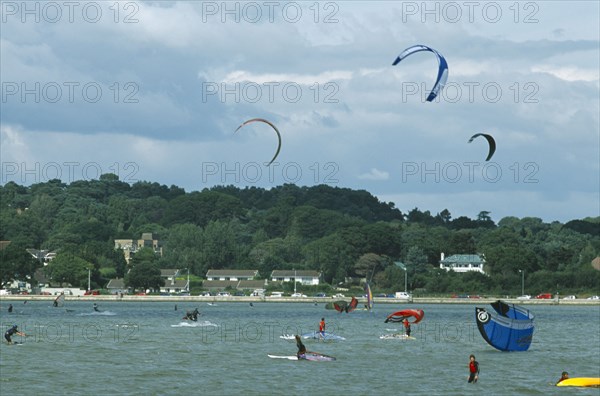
322,328
473,369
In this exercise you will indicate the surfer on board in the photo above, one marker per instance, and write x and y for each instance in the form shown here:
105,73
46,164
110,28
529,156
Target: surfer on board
301,348
96,307
473,369
10,332
406,327
322,328
10,308
193,315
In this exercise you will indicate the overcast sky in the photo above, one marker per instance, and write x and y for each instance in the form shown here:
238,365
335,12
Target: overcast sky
155,90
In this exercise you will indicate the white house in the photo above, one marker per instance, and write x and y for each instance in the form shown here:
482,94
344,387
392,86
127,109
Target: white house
463,263
301,276
231,275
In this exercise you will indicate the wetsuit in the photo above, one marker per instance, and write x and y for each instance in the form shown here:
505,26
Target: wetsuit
322,328
301,349
9,334
473,370
407,328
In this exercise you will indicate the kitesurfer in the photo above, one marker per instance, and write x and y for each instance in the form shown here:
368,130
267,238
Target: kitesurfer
96,307
473,369
301,348
563,377
55,304
13,330
322,328
10,308
406,327
193,315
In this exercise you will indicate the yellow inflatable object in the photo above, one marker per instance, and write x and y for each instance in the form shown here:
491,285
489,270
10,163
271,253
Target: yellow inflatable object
581,381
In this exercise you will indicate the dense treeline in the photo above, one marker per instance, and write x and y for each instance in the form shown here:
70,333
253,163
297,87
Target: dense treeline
340,232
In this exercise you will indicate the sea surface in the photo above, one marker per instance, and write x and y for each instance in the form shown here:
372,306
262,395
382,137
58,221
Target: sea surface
145,348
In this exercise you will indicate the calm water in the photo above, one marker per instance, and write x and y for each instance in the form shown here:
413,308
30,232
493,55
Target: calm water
146,349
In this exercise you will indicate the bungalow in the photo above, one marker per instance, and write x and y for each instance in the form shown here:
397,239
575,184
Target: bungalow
301,276
173,285
220,285
231,275
463,263
117,286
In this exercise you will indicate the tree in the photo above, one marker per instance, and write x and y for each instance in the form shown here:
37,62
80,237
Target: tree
145,271
416,261
68,268
16,264
367,265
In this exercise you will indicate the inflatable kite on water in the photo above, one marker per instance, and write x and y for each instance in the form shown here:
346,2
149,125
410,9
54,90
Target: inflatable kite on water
510,328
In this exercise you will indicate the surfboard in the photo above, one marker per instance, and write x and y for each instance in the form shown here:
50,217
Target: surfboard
397,336
580,381
310,356
315,335
294,357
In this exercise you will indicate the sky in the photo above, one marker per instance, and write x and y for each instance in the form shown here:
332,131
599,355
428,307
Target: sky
154,91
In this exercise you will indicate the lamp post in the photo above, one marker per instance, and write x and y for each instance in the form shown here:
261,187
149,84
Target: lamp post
522,282
405,280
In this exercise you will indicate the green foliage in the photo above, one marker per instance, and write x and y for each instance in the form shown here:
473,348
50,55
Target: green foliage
337,231
68,269
16,264
145,271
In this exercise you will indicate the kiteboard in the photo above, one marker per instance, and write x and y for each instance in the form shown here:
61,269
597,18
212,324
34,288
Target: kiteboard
310,356
314,335
580,381
397,336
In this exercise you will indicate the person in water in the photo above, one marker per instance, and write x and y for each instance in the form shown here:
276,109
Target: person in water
322,328
473,369
301,348
563,377
10,308
10,332
406,327
193,315
96,307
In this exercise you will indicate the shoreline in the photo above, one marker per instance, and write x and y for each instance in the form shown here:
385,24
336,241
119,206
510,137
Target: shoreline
312,300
